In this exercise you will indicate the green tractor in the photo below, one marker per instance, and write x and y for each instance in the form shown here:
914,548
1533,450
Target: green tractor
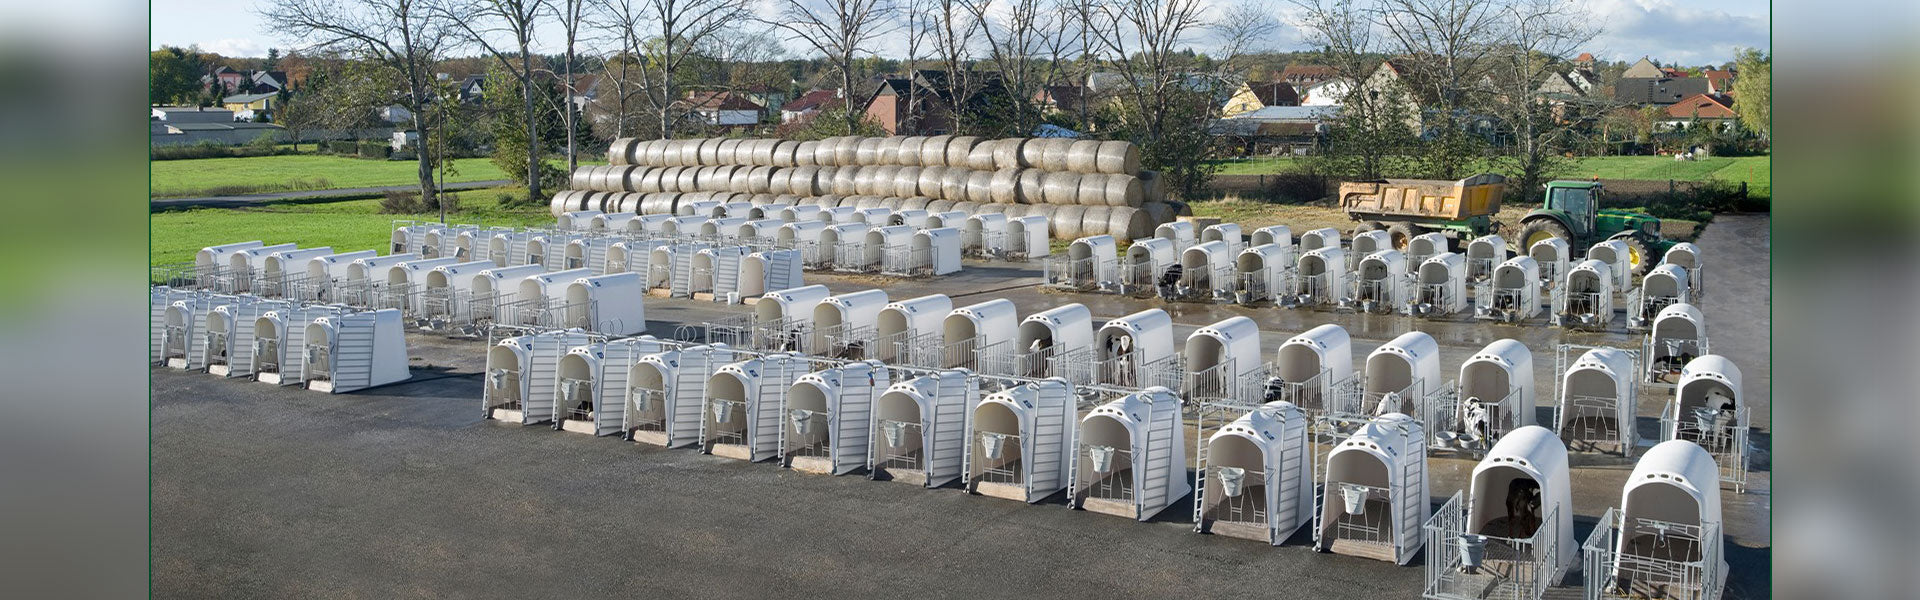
1572,212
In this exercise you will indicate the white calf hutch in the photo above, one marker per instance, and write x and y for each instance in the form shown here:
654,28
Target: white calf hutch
909,331
1664,286
1131,461
742,419
804,236
1367,243
607,304
447,295
1135,351
1374,497
1484,253
1020,441
785,317
716,273
952,219
367,277
759,232
1146,265
843,325
1222,361
630,256
1554,256
1665,539
279,341
214,258
1596,400
588,253
1279,235
1091,263
909,217
920,429
984,235
1261,273
494,292
1057,342
1179,233
1440,286
541,298
843,245
1586,298
281,270
666,395
1707,409
406,282
590,394
1403,376
1511,536
183,339
768,270
1322,274
1206,272
1325,237
323,273
976,333
352,352
1618,258
1254,476
934,252
1381,283
1225,233
1686,255
1512,294
513,249
1678,335
230,333
800,213
523,376
1028,237
1424,246
1495,394
828,418
1314,371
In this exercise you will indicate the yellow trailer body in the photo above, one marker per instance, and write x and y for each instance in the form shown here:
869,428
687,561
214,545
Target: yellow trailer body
1423,199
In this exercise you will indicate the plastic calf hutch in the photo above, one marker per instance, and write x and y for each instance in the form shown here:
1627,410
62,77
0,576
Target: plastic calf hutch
843,325
1206,272
183,339
742,419
1179,233
935,252
786,317
1091,263
446,296
1261,273
494,290
1403,376
1616,255
666,395
1707,409
952,219
1223,362
1314,371
1512,294
1554,256
1596,401
588,253
1255,476
920,429
843,246
684,227
607,304
985,235
876,217
1135,351
1665,539
974,334
1484,253
1028,237
909,217
716,273
352,352
768,270
1686,255
364,276
800,213
1678,335
1325,237
1147,265
1512,535
1664,286
1495,394
1226,233
522,374
1374,496
1366,243
1322,274
541,298
908,332
212,265
1423,247
611,222
580,219
804,237
1057,342
1586,298
231,331
1440,286
1381,284
841,214
1020,441
279,339
1279,235
828,418
322,273
405,282
1131,461
590,396
244,265
630,256
702,209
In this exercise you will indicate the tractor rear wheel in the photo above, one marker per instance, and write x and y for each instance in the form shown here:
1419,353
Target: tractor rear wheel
1639,256
1401,233
1363,227
1538,230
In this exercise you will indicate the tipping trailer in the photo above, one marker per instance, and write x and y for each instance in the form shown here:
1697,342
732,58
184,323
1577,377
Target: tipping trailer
1409,207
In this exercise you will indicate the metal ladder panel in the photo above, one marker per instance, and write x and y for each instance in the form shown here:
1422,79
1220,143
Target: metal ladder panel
783,270
353,353
852,434
946,433
1052,421
680,277
1158,454
726,273
764,418
1411,505
240,359
688,396
610,407
158,302
543,370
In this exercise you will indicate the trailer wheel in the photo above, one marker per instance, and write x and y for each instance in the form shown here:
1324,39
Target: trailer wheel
1365,226
1401,232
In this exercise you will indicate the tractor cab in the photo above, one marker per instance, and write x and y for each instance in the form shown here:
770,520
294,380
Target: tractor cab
1571,210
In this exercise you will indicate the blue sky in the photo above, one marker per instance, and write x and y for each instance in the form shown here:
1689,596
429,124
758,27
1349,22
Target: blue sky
1688,32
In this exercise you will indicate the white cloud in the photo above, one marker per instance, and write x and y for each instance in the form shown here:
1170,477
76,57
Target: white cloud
242,47
1669,31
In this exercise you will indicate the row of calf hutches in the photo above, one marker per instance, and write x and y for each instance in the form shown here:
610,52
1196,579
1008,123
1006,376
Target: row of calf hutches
323,348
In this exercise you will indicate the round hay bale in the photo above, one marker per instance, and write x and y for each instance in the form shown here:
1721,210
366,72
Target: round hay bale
766,152
737,180
782,153
846,151
687,180
1180,209
889,151
958,149
1065,221
1129,223
953,184
906,181
914,202
980,186
1083,156
620,152
1094,220
597,181
780,180
938,206
877,180
1093,191
1153,186
1061,187
557,206
760,180
579,178
1010,210
1030,152
1158,212
1124,190
909,153
1118,157
980,158
867,152
806,154
1032,188
862,202
649,181
1007,153
1053,153
822,182
630,180
1005,187
652,153
759,199
687,153
826,201
787,199
666,181
846,180
966,206
745,152
703,179
706,152
726,152
888,203
933,151
650,204
930,178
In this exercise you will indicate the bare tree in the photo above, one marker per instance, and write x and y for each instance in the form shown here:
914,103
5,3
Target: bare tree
1370,131
954,28
666,39
1535,35
919,24
482,21
1018,44
841,30
571,15
401,38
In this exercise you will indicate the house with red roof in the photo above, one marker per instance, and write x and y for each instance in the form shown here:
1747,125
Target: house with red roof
1701,109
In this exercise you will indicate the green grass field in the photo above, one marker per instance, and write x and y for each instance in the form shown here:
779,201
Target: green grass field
345,225
297,172
1756,171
